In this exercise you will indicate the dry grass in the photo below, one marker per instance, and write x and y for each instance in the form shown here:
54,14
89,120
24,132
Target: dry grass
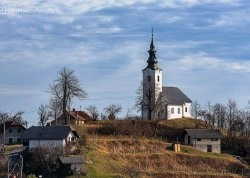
150,158
130,149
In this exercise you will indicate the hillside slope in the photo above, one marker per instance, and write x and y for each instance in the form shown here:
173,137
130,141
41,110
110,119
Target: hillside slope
140,149
126,157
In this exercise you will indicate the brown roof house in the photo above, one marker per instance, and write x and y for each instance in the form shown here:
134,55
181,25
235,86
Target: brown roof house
207,140
73,118
10,132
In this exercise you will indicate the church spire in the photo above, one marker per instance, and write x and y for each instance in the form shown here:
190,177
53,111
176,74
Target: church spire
152,61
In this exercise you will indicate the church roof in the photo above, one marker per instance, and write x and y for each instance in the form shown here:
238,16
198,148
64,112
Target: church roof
174,96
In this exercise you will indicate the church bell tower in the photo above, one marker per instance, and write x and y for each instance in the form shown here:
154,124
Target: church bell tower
152,83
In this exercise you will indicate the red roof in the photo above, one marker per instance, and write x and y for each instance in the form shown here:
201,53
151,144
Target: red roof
9,124
80,115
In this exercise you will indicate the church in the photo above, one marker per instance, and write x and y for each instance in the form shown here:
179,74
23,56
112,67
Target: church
161,102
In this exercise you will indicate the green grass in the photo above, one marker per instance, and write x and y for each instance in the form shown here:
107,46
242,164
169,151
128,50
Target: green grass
183,123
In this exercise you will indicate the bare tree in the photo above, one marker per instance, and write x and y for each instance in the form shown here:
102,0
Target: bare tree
196,112
44,114
65,88
112,110
219,112
18,117
55,108
92,110
248,119
232,115
146,100
42,160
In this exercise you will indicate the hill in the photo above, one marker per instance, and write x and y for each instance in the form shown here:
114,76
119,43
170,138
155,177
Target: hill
139,149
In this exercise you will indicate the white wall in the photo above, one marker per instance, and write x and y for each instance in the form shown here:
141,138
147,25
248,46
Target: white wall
53,143
181,108
202,145
157,85
189,107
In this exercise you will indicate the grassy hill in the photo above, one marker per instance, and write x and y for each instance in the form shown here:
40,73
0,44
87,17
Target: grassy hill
139,149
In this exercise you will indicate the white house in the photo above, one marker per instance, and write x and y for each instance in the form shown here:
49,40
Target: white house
159,101
55,136
207,140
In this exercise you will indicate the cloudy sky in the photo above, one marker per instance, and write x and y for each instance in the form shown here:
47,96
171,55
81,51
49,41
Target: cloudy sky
203,47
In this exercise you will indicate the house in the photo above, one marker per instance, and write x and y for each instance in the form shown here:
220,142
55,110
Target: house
70,165
10,132
160,102
56,136
73,118
207,140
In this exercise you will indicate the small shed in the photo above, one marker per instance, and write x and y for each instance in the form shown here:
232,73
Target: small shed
207,140
70,165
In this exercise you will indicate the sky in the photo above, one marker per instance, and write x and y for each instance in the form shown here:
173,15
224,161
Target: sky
202,47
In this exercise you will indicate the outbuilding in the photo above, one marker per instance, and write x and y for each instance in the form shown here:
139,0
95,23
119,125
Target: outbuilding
207,140
56,136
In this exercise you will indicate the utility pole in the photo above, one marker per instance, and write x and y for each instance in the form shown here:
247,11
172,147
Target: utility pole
21,171
8,168
3,132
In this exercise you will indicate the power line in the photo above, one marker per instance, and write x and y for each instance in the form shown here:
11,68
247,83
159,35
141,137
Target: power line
113,98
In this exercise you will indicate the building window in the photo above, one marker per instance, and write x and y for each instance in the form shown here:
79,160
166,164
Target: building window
199,139
186,109
149,78
172,110
10,140
18,130
10,130
158,78
179,110
214,139
18,140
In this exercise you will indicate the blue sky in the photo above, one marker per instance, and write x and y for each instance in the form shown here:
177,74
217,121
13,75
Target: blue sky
202,47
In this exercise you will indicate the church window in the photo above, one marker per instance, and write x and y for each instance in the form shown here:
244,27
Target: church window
172,110
149,78
158,78
186,109
179,110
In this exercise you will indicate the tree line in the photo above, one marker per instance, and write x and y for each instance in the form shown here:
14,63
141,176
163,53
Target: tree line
229,116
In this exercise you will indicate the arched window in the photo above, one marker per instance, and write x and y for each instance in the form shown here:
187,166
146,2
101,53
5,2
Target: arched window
158,78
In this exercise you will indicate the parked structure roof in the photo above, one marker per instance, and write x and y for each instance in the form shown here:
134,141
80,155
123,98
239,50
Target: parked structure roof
48,133
204,133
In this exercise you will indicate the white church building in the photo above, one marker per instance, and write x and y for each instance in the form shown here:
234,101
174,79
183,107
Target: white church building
160,102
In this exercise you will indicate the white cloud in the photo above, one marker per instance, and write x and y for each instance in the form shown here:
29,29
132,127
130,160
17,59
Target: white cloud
190,3
204,61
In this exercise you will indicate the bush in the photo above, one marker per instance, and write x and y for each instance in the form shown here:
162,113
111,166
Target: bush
31,176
